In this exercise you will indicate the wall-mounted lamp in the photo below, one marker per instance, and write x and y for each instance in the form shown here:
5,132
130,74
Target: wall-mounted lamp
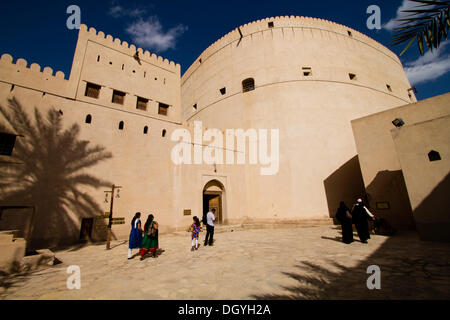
398,122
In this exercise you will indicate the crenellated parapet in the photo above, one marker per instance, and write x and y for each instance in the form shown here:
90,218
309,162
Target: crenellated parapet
126,48
32,76
338,31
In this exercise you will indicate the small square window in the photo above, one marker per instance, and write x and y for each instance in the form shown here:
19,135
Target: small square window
92,90
118,97
141,103
223,91
434,156
7,142
163,109
270,24
307,71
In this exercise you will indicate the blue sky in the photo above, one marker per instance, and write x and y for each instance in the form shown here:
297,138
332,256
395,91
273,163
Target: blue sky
181,30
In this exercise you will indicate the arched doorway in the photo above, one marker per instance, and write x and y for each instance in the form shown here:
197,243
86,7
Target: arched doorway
213,198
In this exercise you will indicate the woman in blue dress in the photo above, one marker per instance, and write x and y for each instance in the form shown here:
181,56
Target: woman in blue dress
135,234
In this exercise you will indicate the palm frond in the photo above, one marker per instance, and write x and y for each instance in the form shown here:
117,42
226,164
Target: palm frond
429,21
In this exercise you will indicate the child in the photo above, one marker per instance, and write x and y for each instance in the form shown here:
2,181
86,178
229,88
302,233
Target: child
195,227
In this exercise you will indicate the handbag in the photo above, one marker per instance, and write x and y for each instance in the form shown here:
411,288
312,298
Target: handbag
152,232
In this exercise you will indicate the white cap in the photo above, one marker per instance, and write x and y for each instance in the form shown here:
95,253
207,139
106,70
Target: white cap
359,200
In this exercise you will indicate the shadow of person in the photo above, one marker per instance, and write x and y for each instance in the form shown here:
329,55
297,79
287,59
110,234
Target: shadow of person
337,239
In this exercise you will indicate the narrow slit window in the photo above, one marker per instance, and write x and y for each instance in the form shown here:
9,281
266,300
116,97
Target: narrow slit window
195,107
223,90
389,87
352,76
12,88
118,97
92,90
164,133
145,130
123,67
200,60
121,125
88,119
307,71
141,104
248,85
98,58
163,109
349,33
7,142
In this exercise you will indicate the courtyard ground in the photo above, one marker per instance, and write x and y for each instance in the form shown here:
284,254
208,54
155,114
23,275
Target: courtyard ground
308,262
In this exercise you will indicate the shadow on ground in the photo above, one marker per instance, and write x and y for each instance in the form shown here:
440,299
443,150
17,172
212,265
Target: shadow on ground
410,269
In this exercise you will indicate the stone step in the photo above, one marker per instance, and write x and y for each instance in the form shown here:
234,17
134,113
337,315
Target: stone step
6,238
14,233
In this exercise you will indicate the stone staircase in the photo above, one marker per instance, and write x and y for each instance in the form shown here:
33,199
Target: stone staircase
12,251
221,228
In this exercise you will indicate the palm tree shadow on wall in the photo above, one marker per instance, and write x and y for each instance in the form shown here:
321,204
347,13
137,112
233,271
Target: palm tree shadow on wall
51,175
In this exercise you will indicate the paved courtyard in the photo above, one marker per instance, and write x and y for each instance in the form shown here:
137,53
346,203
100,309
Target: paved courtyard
306,262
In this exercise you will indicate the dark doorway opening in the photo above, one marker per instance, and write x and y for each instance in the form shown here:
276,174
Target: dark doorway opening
213,193
86,229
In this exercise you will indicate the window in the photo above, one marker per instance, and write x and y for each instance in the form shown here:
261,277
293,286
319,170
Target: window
195,107
123,67
352,76
98,58
92,90
145,130
141,103
223,91
163,109
307,71
270,24
7,142
12,88
200,60
349,33
389,88
164,133
248,85
118,97
121,125
434,156
88,119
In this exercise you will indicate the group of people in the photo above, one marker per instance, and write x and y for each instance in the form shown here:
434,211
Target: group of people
360,216
145,239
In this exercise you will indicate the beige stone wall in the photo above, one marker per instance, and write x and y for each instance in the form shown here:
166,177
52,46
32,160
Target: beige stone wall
381,169
428,182
313,113
318,163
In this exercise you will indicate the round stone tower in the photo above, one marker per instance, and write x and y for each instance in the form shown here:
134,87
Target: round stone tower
310,78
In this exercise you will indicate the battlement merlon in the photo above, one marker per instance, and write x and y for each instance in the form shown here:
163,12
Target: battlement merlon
32,77
287,22
91,34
